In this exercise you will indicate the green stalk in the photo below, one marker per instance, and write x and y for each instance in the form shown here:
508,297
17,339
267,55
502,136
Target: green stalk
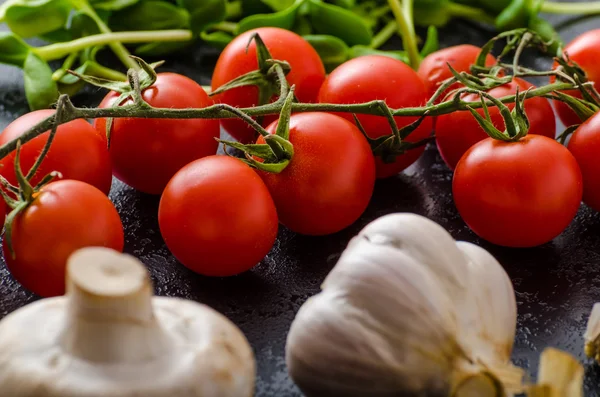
384,34
97,70
225,26
581,8
60,50
403,12
468,12
119,49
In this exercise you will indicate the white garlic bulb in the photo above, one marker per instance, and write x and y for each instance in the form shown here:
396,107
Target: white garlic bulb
108,337
407,311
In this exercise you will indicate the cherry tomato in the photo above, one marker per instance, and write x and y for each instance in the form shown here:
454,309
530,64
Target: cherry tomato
217,217
307,73
585,51
434,68
77,152
330,179
146,153
64,216
456,132
518,194
373,77
585,146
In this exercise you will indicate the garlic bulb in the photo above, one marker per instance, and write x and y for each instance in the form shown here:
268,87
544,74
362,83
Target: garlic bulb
559,375
109,337
592,334
407,311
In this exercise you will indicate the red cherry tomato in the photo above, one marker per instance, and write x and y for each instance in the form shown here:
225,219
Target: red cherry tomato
456,132
65,216
217,217
146,153
585,51
585,146
77,152
518,194
434,68
330,179
373,77
238,58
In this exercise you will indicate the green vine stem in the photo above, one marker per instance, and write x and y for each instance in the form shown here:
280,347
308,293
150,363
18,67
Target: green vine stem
384,34
118,48
468,12
60,50
403,12
579,8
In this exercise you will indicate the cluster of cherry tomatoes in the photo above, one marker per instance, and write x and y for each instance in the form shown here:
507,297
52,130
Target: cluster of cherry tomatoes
219,217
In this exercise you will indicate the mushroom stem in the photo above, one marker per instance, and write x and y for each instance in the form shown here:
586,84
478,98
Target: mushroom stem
110,318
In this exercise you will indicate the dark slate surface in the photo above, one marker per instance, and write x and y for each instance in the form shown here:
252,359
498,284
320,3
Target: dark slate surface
556,284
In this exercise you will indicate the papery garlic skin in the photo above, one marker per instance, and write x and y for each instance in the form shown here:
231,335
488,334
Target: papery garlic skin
86,345
403,313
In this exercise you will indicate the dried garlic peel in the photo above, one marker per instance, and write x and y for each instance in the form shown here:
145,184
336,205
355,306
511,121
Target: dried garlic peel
109,337
406,311
592,334
559,375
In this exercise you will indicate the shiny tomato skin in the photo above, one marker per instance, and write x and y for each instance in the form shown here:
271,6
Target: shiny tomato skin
217,217
585,146
307,73
518,194
77,152
330,179
65,216
373,77
146,153
585,51
434,67
456,132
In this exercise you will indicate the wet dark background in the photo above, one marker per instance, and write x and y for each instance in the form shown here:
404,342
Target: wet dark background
556,284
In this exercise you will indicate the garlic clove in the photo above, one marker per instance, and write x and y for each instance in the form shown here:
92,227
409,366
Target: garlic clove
109,337
559,375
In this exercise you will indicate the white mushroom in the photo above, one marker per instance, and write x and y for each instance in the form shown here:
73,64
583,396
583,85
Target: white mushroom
109,337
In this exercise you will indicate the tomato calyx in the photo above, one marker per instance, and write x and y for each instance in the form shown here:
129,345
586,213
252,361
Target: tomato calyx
137,81
388,147
265,78
516,121
276,153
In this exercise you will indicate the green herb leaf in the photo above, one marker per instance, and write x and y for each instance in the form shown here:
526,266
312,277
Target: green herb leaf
112,5
13,50
515,15
41,91
359,51
283,19
279,5
431,12
337,21
302,26
432,43
150,15
30,18
217,39
348,4
333,51
204,13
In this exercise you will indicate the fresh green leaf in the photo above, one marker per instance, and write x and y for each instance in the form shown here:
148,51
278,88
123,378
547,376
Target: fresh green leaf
432,43
112,5
13,50
204,13
150,15
333,51
41,91
252,7
30,18
515,16
431,13
337,21
283,19
547,33
348,4
302,26
359,51
216,39
278,5
159,49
